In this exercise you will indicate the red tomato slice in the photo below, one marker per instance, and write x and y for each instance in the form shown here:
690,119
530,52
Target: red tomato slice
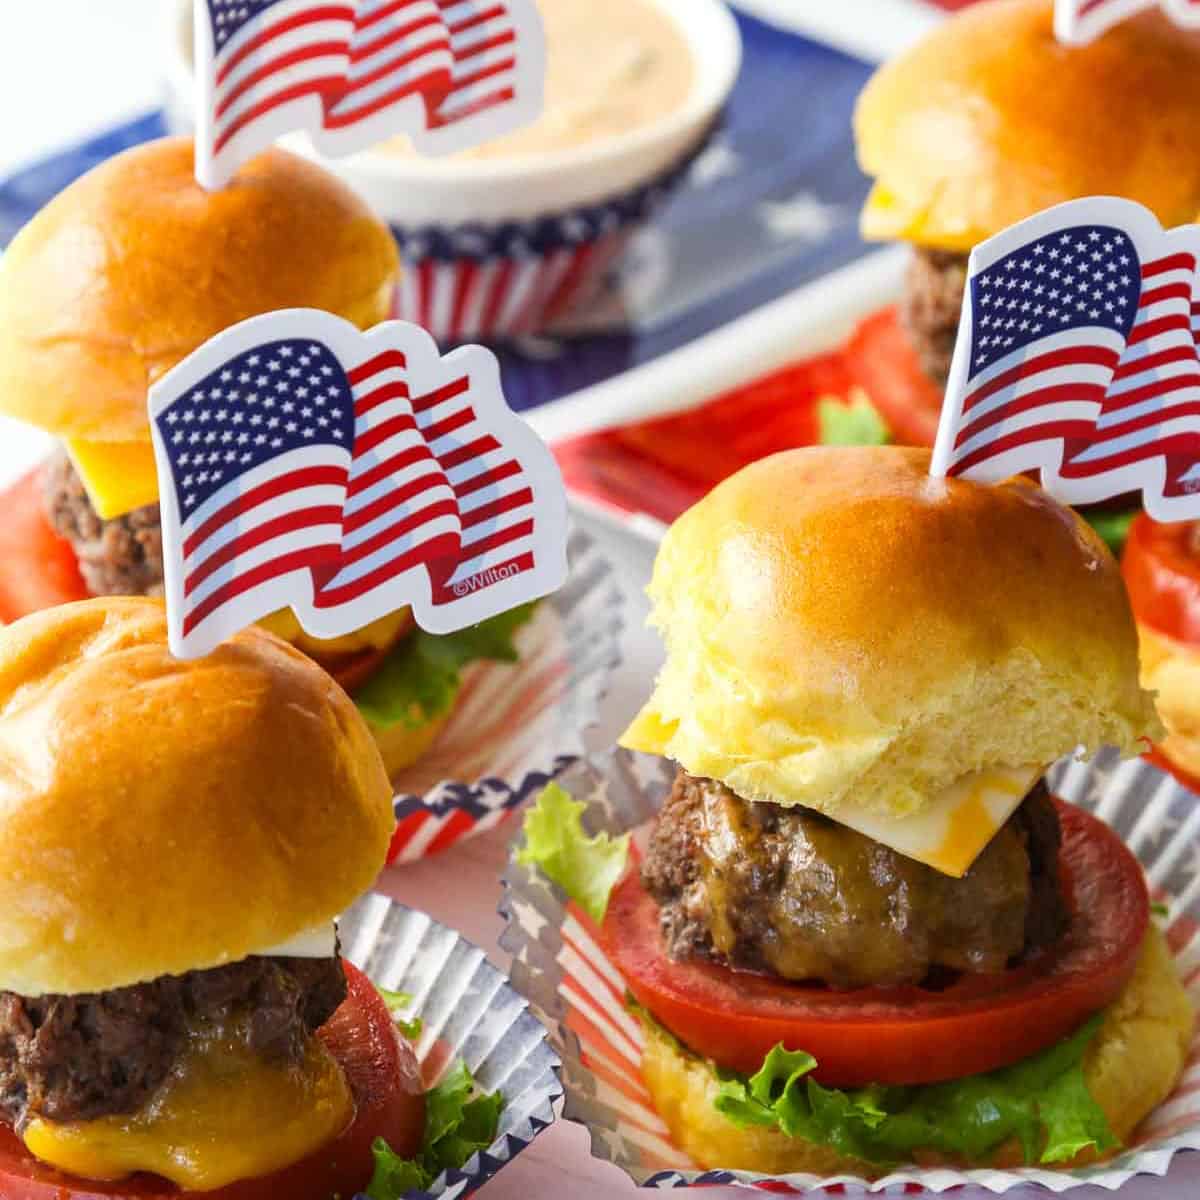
1162,573
886,367
390,1103
903,1035
38,569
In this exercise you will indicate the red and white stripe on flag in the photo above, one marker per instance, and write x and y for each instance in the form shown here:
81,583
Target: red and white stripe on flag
1077,356
304,464
353,72
1078,22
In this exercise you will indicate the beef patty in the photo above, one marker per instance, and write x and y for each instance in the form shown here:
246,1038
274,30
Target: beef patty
931,306
121,557
74,1058
788,891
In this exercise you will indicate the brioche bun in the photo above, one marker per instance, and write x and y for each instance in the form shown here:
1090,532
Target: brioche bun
1171,670
132,267
1131,1067
989,119
839,623
401,743
161,816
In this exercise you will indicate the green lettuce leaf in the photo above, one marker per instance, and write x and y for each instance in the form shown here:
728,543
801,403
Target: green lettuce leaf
586,868
396,1003
1113,527
1042,1101
857,423
457,1124
418,681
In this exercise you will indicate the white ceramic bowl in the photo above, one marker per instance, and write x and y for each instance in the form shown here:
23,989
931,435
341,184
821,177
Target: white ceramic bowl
506,246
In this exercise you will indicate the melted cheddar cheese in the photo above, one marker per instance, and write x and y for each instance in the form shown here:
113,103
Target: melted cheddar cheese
951,832
378,635
888,217
118,476
222,1114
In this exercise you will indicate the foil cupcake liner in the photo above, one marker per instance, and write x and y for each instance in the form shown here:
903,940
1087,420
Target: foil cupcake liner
468,1010
577,992
517,725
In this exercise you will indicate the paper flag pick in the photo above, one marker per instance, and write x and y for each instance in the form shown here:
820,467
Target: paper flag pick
1078,22
303,463
449,73
1077,356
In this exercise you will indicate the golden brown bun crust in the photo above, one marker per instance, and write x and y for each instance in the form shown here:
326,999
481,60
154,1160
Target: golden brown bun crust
1171,670
132,267
989,119
160,816
838,623
1131,1067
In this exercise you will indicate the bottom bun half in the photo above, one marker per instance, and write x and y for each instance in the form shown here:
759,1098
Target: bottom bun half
1131,1067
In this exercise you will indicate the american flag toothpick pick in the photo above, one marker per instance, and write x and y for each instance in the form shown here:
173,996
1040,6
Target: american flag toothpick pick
1077,356
1078,22
306,464
449,73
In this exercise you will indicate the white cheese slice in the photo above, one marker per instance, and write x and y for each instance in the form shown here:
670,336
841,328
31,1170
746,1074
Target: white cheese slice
951,833
318,942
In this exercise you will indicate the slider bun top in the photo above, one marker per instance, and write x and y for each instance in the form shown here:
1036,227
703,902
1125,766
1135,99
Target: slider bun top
838,624
989,119
135,265
159,816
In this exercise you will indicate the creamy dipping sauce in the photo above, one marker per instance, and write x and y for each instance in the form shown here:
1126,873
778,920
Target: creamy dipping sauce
612,66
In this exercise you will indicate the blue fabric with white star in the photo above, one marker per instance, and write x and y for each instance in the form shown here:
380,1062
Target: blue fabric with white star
272,399
1087,276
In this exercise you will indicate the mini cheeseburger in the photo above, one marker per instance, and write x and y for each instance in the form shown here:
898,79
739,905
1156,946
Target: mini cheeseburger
1161,565
864,932
174,1012
116,280
987,121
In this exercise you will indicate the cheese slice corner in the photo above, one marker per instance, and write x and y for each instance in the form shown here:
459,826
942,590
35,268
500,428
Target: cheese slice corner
118,476
951,832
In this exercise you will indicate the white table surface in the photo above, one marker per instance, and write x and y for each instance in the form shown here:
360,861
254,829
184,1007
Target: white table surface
70,67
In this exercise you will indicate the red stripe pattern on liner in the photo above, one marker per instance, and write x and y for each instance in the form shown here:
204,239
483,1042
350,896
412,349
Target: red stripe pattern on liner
502,296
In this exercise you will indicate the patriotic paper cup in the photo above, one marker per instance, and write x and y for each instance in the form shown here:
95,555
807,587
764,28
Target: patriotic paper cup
517,725
501,247
468,1010
478,282
577,992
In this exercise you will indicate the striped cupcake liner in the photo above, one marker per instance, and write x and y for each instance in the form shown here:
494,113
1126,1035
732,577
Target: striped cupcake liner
559,964
496,282
516,726
468,1010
